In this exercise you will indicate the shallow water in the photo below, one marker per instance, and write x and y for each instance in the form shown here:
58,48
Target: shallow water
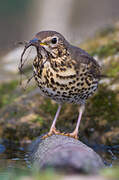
12,155
109,154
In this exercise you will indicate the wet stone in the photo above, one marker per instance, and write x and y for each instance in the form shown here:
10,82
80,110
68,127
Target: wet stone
64,153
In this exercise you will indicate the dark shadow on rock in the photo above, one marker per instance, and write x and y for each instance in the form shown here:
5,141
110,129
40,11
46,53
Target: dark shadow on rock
65,154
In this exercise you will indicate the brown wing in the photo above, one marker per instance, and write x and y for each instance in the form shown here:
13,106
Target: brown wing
82,57
94,67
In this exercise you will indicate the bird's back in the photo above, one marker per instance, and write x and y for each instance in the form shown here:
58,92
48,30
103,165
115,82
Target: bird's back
82,57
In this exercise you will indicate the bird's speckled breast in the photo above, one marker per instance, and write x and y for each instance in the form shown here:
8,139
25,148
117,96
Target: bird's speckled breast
63,82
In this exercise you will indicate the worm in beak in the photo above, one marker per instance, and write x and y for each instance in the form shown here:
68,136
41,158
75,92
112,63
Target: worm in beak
33,42
36,43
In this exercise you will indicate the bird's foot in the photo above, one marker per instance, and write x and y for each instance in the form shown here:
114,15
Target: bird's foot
51,132
72,135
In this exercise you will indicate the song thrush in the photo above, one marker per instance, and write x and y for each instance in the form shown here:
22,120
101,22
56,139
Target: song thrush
65,73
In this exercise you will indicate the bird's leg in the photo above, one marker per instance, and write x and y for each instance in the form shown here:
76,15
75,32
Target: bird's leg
74,134
53,128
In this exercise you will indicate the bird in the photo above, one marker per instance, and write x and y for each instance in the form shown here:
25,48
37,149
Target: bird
64,73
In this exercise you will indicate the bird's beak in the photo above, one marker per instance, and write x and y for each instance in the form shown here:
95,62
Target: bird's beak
36,42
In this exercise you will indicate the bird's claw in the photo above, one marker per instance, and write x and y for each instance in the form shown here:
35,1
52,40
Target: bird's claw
72,135
51,132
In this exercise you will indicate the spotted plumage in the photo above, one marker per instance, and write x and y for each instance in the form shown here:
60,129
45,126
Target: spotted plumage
69,70
65,73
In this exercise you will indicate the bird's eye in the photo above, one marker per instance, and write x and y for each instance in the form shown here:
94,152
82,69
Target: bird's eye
54,40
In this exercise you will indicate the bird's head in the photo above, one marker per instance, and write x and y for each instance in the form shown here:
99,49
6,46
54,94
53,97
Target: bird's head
52,41
47,42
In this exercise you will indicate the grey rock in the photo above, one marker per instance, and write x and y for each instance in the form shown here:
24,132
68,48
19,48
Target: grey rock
64,153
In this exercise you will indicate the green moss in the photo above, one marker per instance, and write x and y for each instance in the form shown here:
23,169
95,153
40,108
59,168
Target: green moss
25,173
105,105
6,92
112,173
113,70
48,174
38,119
17,113
49,107
106,50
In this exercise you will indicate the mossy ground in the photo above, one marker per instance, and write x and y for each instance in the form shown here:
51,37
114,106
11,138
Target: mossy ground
106,50
6,93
